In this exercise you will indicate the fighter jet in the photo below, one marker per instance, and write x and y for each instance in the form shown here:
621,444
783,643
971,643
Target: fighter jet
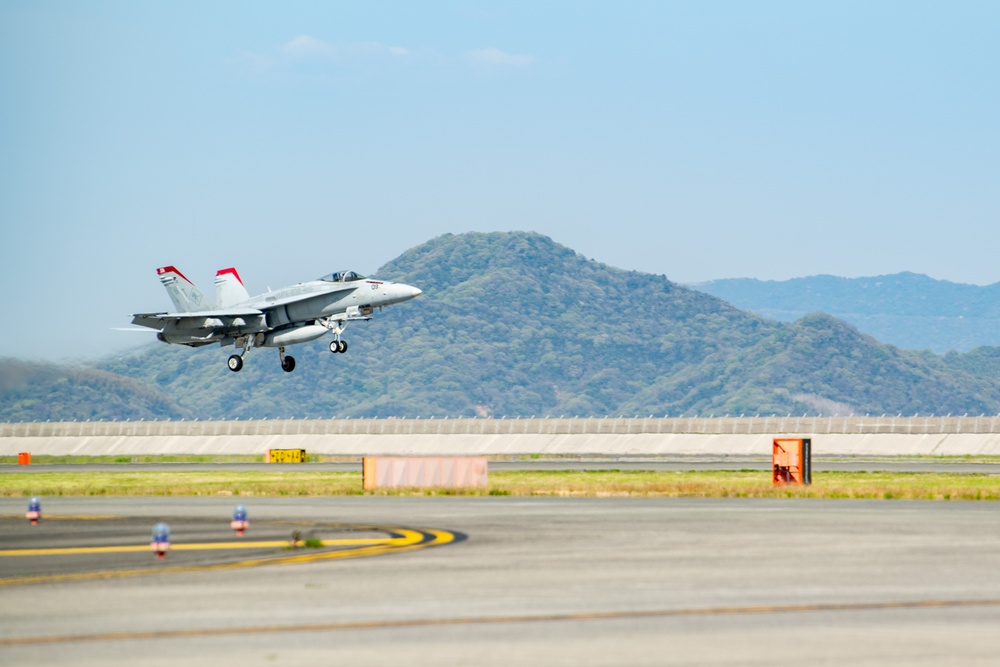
288,316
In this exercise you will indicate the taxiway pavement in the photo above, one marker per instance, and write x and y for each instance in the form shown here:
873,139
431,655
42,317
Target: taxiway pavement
537,580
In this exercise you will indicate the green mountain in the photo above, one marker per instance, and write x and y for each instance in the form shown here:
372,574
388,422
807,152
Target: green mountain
516,324
906,309
31,391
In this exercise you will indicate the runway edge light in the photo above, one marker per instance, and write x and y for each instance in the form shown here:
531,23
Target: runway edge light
240,522
34,512
161,540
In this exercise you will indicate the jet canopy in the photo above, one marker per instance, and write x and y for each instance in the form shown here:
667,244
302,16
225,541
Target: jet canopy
342,277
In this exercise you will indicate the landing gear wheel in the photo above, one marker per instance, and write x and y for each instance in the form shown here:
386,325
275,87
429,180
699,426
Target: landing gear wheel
235,363
288,364
334,347
343,346
338,346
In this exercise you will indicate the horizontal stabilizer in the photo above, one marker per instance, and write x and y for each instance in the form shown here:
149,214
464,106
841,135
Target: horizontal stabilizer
201,319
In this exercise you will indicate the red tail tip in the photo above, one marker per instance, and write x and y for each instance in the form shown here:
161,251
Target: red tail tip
231,270
171,269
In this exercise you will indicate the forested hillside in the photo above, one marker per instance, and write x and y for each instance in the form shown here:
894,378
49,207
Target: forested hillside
515,324
906,309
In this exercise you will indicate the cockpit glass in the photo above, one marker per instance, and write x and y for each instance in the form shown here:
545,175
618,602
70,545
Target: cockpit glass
342,277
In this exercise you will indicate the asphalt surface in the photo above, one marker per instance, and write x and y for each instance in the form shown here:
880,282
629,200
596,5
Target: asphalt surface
599,581
678,464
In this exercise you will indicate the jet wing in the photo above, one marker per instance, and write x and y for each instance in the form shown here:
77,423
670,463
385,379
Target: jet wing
265,303
159,320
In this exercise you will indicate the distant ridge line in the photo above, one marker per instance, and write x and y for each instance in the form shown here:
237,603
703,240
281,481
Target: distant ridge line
550,426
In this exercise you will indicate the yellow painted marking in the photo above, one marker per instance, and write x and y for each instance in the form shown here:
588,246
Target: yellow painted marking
408,540
64,517
496,620
205,546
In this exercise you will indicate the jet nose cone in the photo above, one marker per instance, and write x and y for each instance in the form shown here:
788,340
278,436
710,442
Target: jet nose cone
405,292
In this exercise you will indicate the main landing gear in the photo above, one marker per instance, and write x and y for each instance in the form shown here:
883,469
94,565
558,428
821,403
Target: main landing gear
235,362
287,361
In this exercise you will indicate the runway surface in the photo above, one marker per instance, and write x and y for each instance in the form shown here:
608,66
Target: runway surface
521,580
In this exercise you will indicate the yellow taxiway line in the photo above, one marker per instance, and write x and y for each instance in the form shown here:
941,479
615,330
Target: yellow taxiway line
408,540
66,517
198,546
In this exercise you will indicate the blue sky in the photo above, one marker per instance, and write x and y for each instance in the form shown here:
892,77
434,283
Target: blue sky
698,140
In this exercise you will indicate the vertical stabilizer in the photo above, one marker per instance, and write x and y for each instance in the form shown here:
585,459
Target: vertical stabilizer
186,297
229,289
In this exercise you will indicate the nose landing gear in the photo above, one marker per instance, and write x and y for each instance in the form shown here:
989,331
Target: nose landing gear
337,324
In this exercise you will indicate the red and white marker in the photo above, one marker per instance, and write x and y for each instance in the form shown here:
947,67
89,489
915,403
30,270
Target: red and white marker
240,522
34,512
161,540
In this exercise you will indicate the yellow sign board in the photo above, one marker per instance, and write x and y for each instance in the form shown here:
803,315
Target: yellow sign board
286,456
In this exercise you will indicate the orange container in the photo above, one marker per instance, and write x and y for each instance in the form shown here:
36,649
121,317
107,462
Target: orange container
791,461
24,458
386,472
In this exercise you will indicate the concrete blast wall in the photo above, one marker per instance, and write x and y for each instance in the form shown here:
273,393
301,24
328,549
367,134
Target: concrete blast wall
860,436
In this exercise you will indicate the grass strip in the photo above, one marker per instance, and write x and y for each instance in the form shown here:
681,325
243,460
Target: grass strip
182,483
49,459
748,484
700,484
